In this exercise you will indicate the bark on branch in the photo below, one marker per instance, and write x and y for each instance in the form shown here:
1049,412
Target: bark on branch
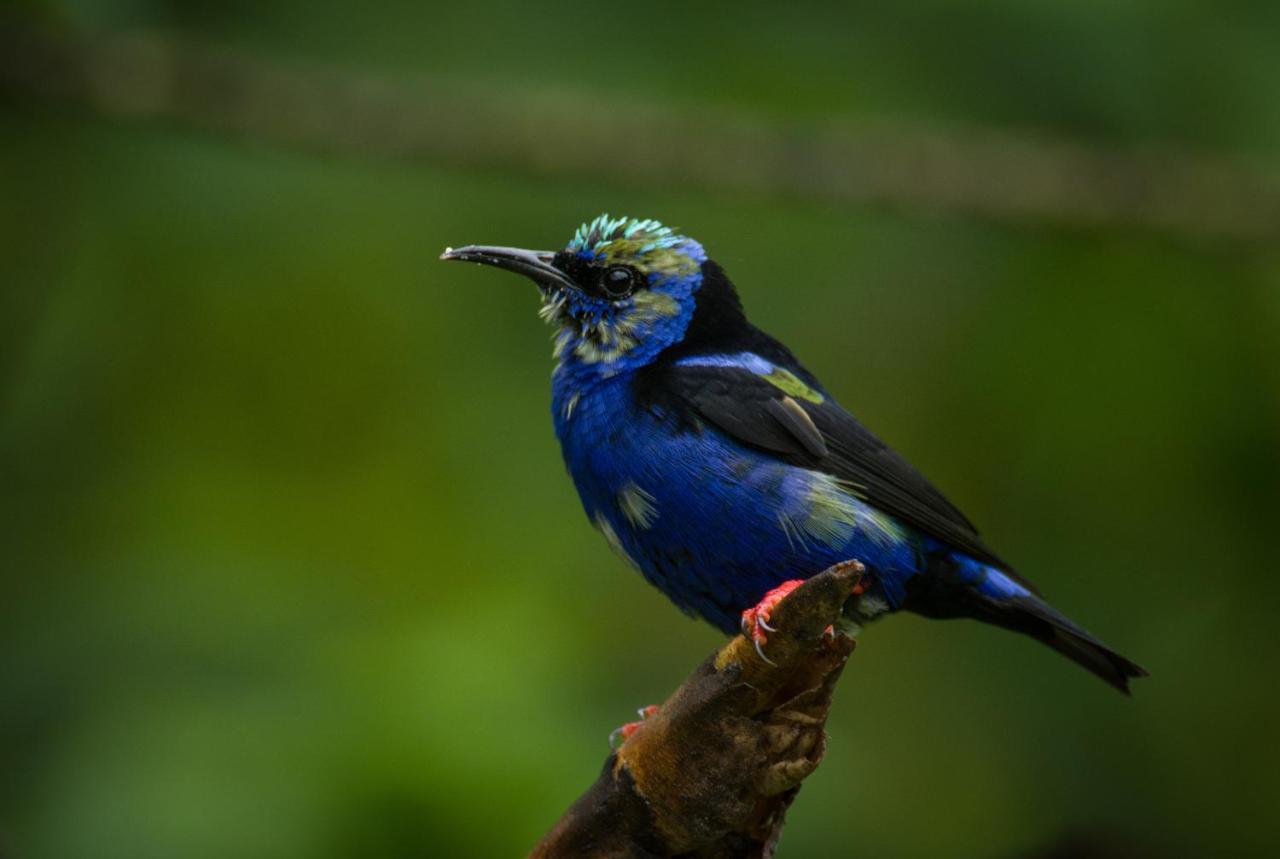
712,773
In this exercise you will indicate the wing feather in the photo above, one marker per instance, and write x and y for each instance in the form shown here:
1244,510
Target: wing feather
816,432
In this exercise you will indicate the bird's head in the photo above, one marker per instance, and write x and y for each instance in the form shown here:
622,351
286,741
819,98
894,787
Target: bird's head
620,291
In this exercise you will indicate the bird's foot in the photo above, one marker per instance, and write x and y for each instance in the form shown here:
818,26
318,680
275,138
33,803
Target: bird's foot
755,620
622,734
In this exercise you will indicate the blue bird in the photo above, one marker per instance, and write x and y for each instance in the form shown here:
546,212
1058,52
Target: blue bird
721,468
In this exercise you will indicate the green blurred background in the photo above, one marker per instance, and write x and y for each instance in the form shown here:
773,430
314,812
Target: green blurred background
290,564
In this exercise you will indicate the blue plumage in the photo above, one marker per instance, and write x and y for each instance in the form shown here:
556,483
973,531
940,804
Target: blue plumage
721,523
720,467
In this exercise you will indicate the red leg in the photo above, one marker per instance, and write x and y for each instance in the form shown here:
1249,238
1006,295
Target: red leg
755,620
622,734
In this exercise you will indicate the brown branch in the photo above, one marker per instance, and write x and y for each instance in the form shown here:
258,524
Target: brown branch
712,773
985,173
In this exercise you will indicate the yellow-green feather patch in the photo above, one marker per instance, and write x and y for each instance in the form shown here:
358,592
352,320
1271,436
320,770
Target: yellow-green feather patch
637,505
647,259
833,513
788,382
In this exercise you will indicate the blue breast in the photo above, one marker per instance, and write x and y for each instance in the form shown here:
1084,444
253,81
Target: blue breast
710,522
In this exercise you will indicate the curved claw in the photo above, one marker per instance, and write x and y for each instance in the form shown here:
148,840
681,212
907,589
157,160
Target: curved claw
755,620
619,735
760,653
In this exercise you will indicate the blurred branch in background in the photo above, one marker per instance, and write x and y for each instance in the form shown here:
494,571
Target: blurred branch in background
964,171
713,771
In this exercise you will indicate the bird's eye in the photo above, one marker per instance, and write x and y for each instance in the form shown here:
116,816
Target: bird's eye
617,281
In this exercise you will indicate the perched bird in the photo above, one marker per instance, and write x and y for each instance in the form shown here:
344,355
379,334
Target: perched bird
710,458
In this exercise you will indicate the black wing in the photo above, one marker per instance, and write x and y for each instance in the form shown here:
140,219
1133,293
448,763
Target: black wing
783,416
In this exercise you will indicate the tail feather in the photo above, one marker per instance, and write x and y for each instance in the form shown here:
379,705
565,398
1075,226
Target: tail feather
968,588
1043,622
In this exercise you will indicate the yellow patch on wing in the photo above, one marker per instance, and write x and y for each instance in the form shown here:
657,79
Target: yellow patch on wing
790,383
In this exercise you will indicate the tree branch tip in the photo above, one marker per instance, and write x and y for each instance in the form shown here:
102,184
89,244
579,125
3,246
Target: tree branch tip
713,770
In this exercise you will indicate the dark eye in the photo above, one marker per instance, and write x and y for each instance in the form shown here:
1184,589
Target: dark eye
617,281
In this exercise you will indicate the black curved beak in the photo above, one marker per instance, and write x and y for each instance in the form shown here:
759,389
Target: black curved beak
535,265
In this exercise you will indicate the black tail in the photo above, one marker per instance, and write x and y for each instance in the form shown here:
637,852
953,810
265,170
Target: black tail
944,596
1033,616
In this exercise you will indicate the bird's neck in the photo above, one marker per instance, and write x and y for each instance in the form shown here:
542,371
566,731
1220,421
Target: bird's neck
583,366
581,389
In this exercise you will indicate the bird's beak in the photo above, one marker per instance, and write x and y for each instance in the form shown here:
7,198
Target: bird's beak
535,265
